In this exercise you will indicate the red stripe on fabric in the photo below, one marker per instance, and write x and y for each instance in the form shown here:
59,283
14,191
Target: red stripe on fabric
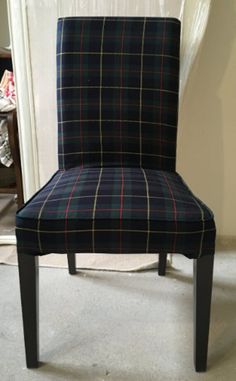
121,156
80,106
68,206
117,137
175,211
122,194
121,85
161,85
123,210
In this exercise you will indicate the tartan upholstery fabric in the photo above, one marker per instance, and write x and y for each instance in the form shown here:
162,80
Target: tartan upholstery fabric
117,91
116,190
115,210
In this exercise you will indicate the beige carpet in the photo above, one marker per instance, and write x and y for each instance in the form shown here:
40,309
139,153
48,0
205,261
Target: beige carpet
114,262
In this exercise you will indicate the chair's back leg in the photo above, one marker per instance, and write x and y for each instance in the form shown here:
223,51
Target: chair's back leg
203,273
162,264
71,263
28,273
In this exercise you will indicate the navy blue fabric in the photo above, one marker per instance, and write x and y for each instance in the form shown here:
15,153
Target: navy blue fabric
117,89
115,210
116,190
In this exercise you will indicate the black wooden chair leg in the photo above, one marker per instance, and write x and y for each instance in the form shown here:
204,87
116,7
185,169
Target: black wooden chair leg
162,264
203,273
71,263
28,274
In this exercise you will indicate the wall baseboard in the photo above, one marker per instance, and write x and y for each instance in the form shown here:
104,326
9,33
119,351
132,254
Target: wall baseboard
225,242
7,240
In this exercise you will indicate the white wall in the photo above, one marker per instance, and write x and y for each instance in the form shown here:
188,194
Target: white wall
207,126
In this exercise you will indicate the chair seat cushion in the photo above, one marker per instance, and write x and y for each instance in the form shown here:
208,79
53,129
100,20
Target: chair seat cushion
115,210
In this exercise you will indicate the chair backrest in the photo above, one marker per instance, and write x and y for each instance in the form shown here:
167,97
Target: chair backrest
117,91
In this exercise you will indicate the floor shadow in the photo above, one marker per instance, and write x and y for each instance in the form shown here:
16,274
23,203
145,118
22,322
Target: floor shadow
92,373
223,333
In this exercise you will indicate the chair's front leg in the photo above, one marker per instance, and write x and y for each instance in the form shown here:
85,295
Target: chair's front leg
203,273
28,273
162,264
71,258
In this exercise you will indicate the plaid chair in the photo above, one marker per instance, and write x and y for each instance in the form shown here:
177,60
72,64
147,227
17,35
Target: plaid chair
116,189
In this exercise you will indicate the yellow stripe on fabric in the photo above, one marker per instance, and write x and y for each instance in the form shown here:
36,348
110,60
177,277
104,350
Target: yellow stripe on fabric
119,120
119,88
41,211
61,112
141,95
203,226
148,210
100,92
114,195
123,18
117,230
113,152
94,208
118,53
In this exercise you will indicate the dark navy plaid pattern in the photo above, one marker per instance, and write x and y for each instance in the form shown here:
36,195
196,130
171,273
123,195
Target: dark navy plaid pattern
117,210
116,190
117,91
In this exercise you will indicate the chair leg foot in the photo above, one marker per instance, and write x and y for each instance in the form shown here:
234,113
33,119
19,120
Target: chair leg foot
203,274
71,258
28,276
162,264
